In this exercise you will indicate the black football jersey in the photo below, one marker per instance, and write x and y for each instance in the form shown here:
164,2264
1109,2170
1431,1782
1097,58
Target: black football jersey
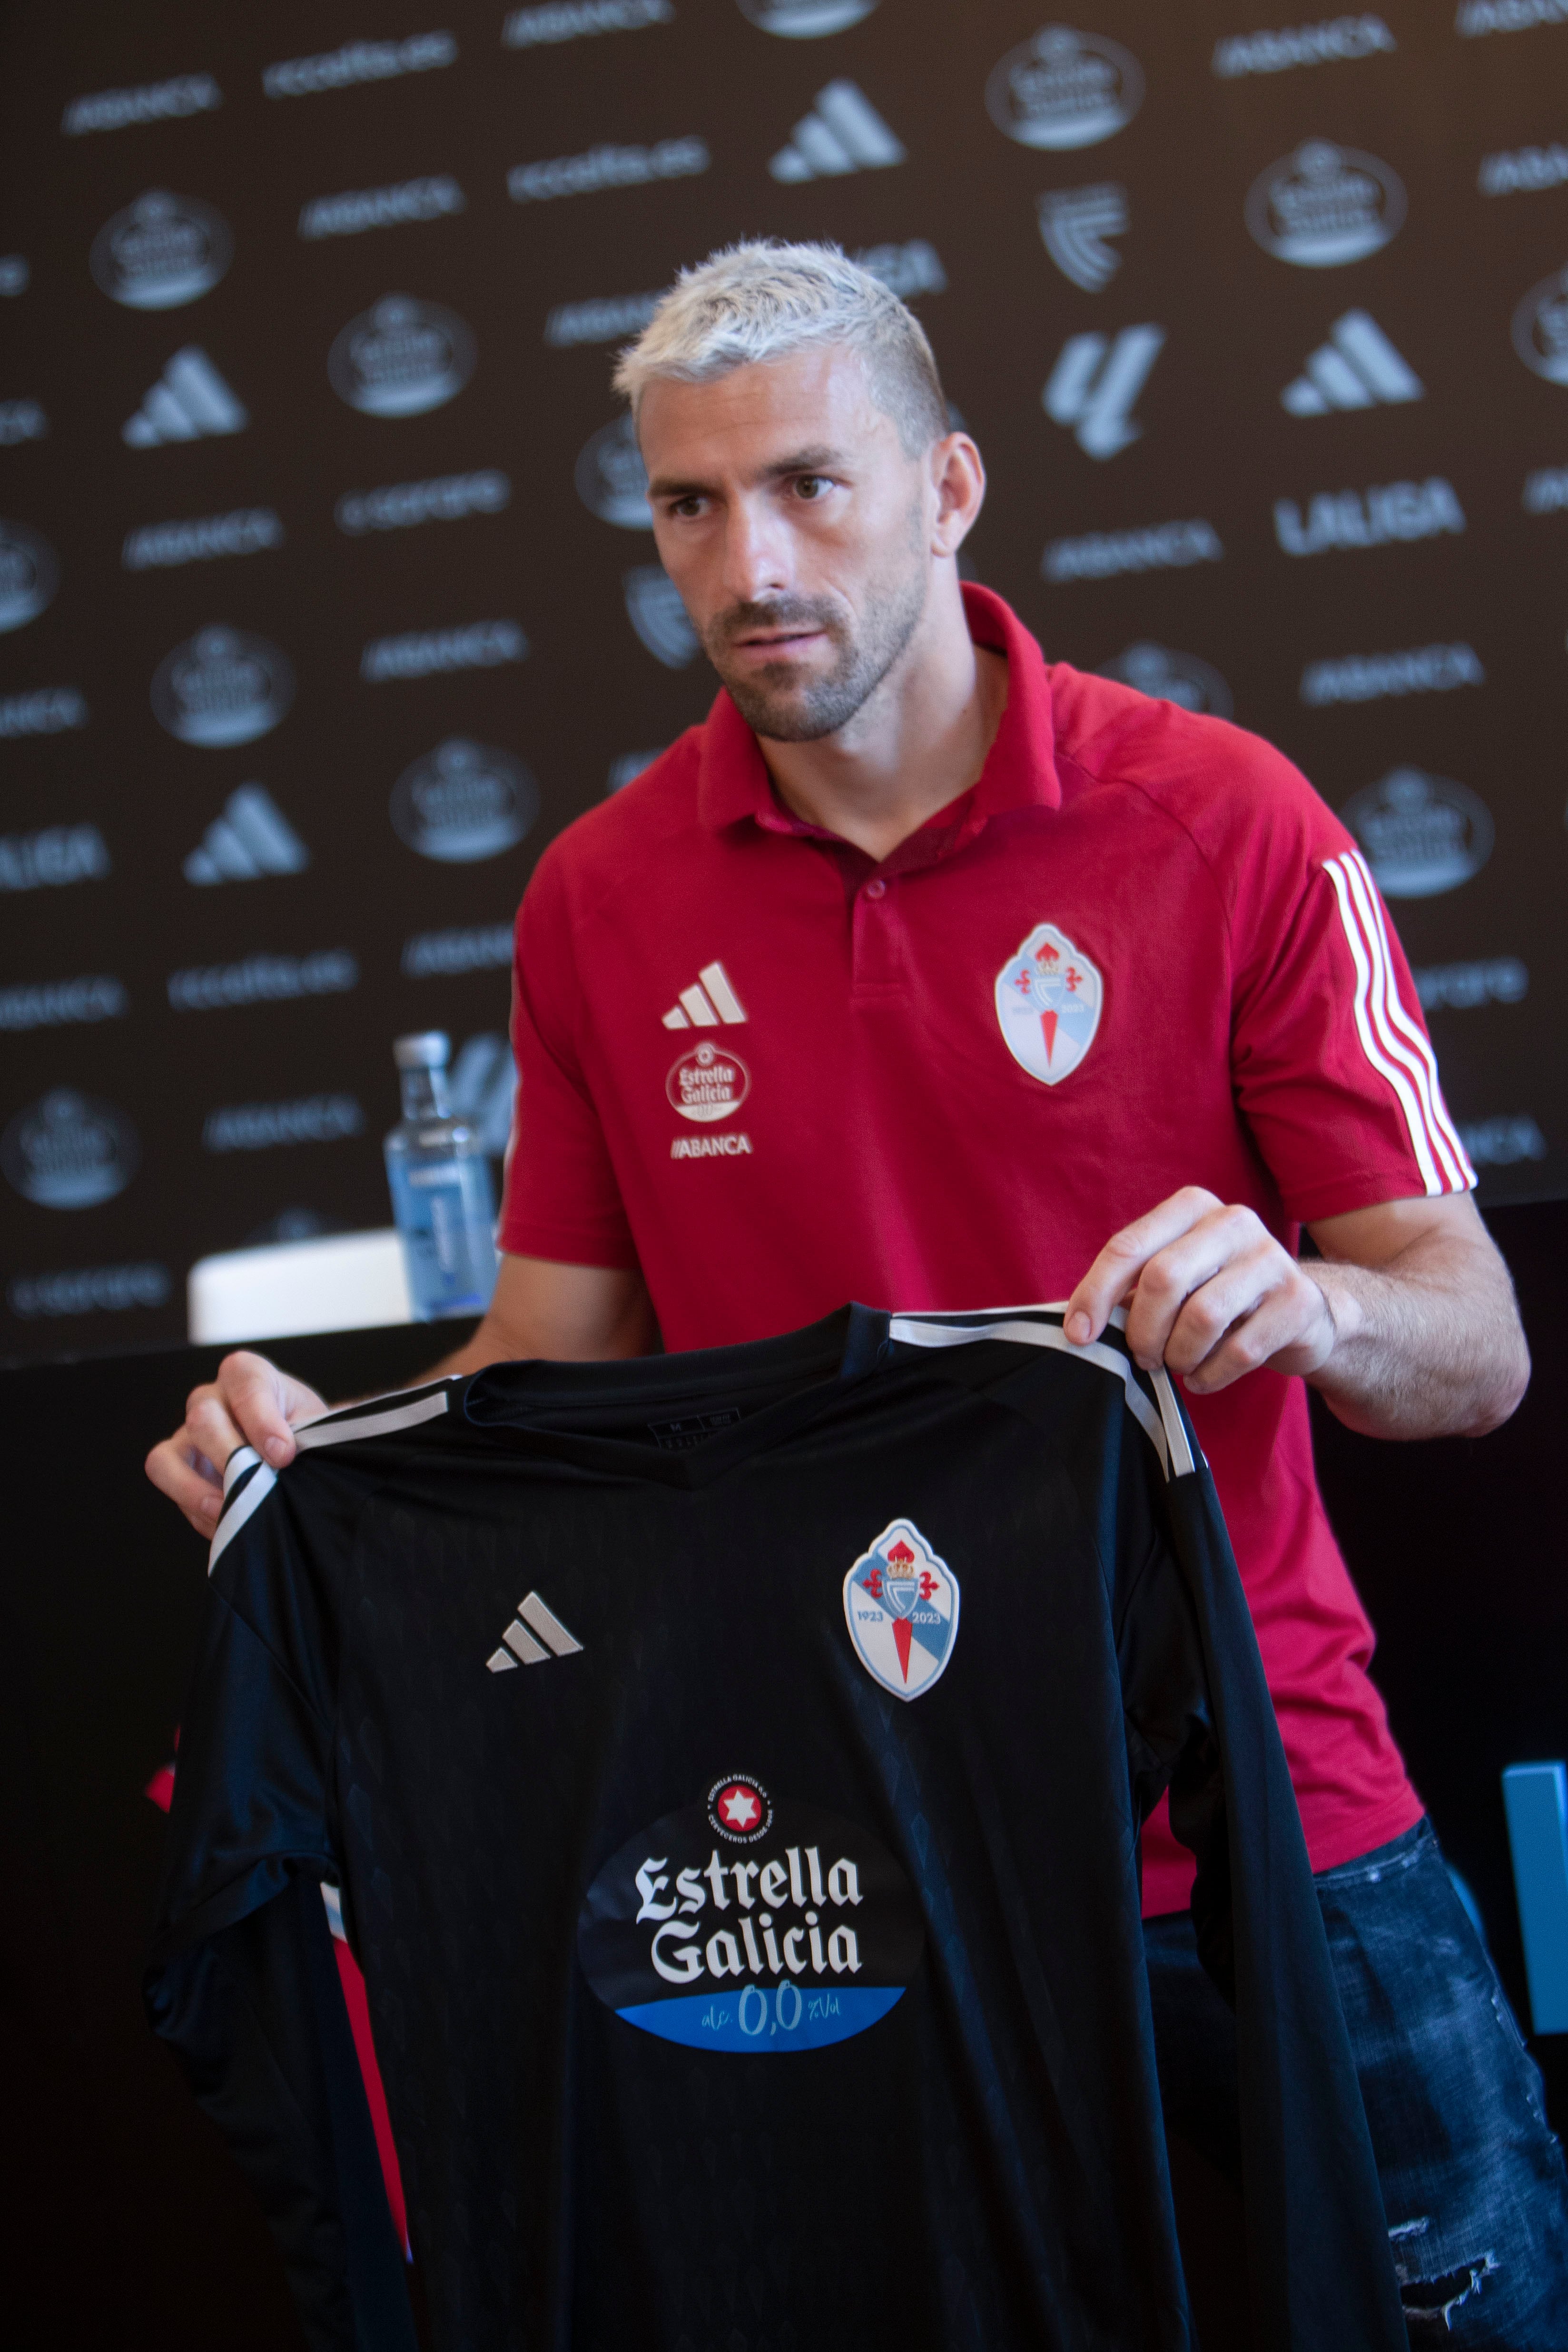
732,1764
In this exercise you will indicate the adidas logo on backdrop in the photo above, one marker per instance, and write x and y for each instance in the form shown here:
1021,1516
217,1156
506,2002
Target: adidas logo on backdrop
518,1642
843,133
709,1001
1358,367
1095,381
252,838
1075,223
189,401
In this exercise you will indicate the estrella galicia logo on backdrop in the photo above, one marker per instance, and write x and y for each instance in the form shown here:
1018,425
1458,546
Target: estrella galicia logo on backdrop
901,1605
463,801
1422,835
402,358
1541,328
655,609
69,1152
806,20
161,251
787,1935
612,481
1325,205
1167,677
1049,998
28,574
1064,89
223,686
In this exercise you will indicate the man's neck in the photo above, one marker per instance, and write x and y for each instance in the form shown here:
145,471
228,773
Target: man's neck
917,743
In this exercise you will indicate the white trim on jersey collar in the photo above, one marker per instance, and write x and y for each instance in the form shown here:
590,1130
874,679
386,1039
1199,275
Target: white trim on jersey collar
325,1429
1164,1431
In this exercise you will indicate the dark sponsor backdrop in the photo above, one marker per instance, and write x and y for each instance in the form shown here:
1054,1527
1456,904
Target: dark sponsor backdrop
1261,325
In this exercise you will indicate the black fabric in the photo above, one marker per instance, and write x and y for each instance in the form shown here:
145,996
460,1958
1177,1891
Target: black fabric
982,2167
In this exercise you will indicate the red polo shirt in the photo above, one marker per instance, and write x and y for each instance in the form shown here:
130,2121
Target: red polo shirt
1138,953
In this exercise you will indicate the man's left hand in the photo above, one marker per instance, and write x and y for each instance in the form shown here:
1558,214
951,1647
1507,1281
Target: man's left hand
1209,1293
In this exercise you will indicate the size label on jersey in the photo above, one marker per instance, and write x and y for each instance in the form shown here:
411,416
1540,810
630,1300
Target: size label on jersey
746,1925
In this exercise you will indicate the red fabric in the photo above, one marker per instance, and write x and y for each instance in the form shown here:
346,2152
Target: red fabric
354,2002
1260,1035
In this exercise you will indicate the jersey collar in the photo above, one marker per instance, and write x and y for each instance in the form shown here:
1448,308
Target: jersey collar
1019,770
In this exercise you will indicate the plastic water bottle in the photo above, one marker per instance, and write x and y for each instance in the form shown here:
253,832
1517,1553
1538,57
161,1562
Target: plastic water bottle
441,1188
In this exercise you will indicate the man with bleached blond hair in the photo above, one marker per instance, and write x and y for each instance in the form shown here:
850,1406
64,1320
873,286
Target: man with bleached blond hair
929,973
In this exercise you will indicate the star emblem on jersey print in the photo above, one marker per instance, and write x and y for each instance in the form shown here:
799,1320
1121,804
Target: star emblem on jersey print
1049,997
901,1605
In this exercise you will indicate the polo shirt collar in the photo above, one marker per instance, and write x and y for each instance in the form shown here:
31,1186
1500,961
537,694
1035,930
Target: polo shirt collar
1019,770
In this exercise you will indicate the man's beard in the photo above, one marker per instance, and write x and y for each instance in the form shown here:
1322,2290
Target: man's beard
788,709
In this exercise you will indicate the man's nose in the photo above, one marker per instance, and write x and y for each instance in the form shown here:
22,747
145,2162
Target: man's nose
756,554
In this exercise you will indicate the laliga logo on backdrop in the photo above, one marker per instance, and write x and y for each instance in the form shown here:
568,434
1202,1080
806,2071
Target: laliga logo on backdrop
28,574
69,1152
805,20
611,480
1064,89
1541,328
901,1605
1180,678
463,801
402,358
1048,1004
1325,205
223,686
1422,835
162,250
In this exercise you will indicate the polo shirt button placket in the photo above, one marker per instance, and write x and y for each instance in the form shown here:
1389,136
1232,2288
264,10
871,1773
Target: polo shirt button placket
876,888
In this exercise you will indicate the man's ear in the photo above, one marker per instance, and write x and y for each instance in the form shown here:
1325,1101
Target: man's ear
958,477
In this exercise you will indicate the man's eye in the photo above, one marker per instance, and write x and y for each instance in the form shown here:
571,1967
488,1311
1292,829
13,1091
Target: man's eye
686,508
811,485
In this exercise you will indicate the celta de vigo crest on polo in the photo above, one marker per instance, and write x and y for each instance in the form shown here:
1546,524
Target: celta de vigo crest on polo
901,1605
1049,997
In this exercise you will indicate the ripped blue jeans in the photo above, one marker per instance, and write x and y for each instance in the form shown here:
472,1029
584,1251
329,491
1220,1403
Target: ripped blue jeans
1473,2181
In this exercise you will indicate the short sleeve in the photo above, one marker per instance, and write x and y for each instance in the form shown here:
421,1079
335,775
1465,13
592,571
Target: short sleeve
560,1199
1331,1066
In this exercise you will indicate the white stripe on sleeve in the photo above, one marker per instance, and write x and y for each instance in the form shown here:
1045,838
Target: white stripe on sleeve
1421,1061
1366,1028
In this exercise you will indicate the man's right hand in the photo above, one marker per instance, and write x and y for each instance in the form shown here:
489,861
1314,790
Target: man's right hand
251,1402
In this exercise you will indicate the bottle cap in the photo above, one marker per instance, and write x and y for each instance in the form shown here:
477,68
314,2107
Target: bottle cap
431,1050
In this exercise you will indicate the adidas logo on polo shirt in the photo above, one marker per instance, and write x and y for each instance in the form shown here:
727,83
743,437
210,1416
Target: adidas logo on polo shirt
709,1001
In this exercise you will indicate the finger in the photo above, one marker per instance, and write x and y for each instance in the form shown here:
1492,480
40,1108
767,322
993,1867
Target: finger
1221,1307
258,1399
189,1481
1291,1328
1187,1268
1125,1256
210,1429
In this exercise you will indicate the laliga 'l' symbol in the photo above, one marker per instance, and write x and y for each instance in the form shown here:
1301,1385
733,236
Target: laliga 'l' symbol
901,1605
1049,997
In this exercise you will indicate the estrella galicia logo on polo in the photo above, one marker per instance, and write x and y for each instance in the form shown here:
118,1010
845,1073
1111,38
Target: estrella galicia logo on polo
1049,998
708,1084
1167,677
69,1152
28,574
792,1935
1325,205
901,1605
1422,835
1064,89
805,20
161,251
463,801
223,686
1541,328
611,480
403,358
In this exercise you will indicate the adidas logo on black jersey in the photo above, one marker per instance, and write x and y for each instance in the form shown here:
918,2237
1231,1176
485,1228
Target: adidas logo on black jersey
517,1642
